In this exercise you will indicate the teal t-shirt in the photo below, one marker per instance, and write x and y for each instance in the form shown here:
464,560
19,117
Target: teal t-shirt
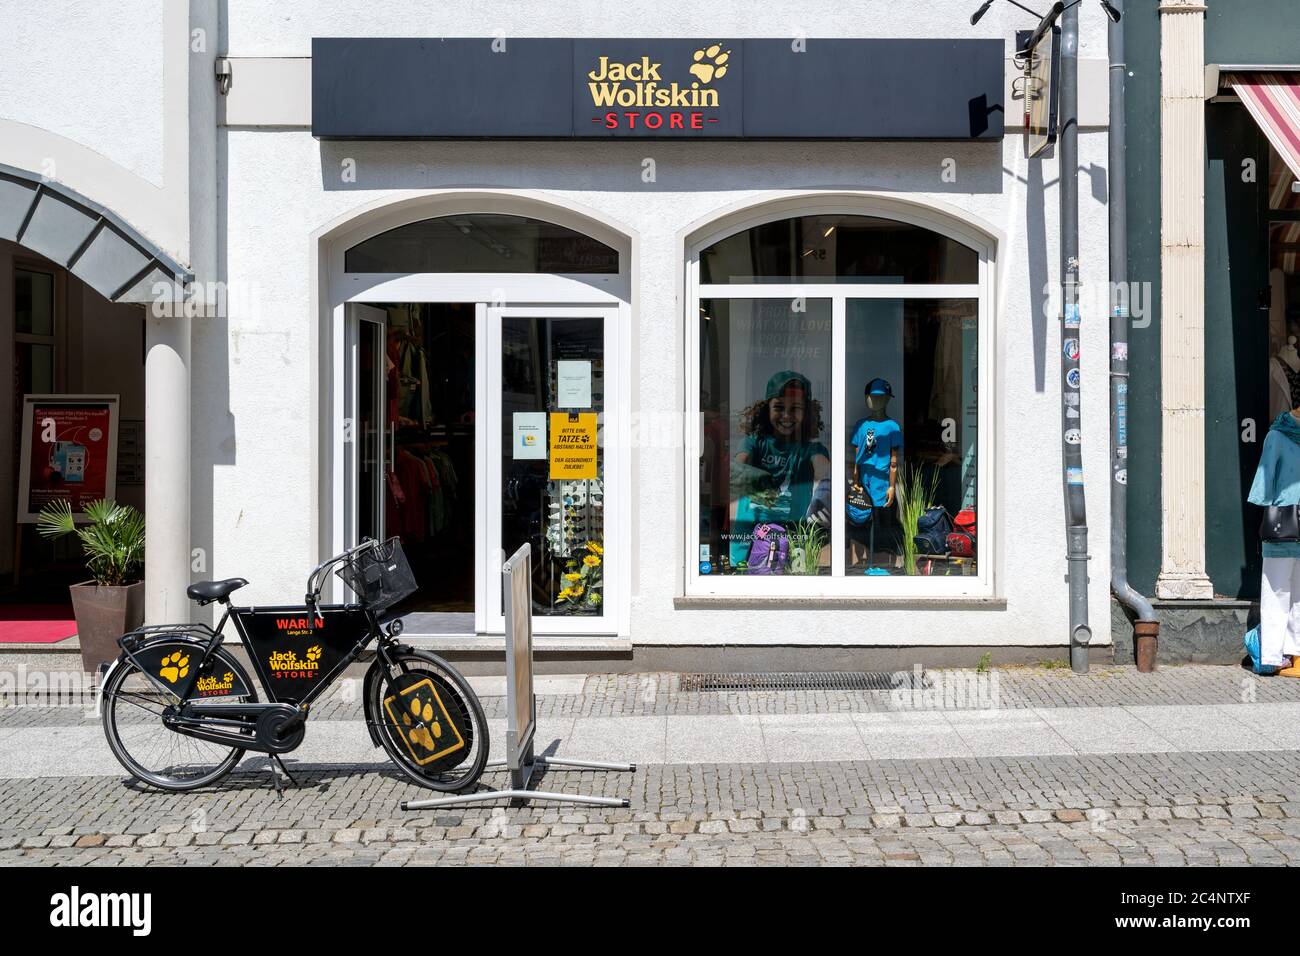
791,465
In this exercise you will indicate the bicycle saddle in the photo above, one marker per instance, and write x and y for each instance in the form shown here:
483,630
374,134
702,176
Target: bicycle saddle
205,592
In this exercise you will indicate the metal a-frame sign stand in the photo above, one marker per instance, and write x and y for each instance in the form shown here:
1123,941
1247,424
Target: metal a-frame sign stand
521,704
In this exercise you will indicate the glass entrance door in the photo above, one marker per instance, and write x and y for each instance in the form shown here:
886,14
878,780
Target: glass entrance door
551,380
366,445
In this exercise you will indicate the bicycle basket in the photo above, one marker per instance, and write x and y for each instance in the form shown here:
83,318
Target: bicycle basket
379,576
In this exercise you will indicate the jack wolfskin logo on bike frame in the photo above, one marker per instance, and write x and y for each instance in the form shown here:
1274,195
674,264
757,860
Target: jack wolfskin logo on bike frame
287,663
216,684
418,715
174,666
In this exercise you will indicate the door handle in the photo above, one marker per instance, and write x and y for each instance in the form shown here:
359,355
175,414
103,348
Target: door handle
392,446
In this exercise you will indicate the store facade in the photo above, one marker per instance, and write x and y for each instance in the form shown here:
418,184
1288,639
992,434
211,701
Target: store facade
700,365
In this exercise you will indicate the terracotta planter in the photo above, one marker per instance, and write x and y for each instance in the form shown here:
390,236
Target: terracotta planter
103,615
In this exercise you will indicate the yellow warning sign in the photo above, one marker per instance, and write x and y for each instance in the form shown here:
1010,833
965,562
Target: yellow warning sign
573,445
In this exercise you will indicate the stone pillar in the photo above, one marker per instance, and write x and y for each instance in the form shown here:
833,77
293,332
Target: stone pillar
167,466
1182,300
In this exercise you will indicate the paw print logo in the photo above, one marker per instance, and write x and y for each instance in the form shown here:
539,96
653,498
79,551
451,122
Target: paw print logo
227,678
710,63
423,730
174,666
313,653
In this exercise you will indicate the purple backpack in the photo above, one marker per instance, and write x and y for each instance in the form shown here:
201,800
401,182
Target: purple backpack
770,552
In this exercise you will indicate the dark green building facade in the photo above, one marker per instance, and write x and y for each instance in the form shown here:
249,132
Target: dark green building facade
1237,299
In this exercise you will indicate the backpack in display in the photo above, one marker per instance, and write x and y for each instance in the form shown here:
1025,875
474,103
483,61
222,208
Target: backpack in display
932,531
770,552
961,540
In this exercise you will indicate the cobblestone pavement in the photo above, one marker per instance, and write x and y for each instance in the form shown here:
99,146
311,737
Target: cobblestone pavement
1202,808
1180,808
628,695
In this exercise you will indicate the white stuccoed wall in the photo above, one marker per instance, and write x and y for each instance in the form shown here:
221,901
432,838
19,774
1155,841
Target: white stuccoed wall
96,97
91,72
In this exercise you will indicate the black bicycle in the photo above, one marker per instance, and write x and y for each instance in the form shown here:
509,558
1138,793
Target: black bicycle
180,711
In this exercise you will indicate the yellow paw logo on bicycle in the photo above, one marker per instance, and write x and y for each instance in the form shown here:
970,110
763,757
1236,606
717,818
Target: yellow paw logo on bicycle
174,666
428,729
419,718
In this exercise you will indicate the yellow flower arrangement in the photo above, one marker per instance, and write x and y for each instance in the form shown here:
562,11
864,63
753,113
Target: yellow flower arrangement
583,578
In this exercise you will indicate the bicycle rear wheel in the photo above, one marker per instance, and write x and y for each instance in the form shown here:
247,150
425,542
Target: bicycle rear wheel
133,723
429,720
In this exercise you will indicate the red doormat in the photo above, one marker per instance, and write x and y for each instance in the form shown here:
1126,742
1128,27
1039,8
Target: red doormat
35,623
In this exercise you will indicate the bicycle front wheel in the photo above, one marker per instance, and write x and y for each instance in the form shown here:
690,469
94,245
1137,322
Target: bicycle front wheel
153,753
429,720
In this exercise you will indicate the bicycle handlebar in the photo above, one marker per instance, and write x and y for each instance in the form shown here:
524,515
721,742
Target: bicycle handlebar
314,586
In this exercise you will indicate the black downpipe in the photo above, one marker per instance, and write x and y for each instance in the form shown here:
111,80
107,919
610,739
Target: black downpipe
1137,606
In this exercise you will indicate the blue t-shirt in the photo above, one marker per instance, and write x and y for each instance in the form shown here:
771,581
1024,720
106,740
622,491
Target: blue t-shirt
791,465
873,441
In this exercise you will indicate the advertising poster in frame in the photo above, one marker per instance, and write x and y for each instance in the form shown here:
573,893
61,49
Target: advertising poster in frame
69,452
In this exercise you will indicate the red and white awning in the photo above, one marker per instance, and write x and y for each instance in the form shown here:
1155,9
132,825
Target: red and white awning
1273,99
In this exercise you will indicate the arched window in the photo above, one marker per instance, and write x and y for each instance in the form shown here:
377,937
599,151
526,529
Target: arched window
837,393
481,242
838,248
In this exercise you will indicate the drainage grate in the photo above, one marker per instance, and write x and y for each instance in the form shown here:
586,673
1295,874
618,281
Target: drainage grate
825,680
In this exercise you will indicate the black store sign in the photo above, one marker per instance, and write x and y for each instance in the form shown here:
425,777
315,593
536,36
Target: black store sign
381,88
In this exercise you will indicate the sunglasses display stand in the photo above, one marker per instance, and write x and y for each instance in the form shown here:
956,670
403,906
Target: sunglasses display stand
574,515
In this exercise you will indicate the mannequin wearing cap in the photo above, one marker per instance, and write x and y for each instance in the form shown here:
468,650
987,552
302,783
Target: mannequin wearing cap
877,444
782,473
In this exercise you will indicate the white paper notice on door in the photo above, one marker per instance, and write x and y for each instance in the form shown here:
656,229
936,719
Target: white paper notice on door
572,384
530,435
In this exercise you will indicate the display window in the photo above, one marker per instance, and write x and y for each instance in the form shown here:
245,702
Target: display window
837,391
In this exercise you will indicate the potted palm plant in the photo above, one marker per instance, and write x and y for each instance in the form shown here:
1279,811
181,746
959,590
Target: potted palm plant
112,603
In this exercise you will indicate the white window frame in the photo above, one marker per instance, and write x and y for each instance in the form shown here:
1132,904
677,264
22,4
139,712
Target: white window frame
982,584
534,294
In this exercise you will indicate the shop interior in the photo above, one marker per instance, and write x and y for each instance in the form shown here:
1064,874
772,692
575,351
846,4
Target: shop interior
430,489
63,338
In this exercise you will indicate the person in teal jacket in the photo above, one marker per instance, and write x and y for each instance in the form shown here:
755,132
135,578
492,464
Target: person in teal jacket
1277,482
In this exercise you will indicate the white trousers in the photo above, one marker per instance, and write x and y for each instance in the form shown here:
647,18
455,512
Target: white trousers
1279,611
